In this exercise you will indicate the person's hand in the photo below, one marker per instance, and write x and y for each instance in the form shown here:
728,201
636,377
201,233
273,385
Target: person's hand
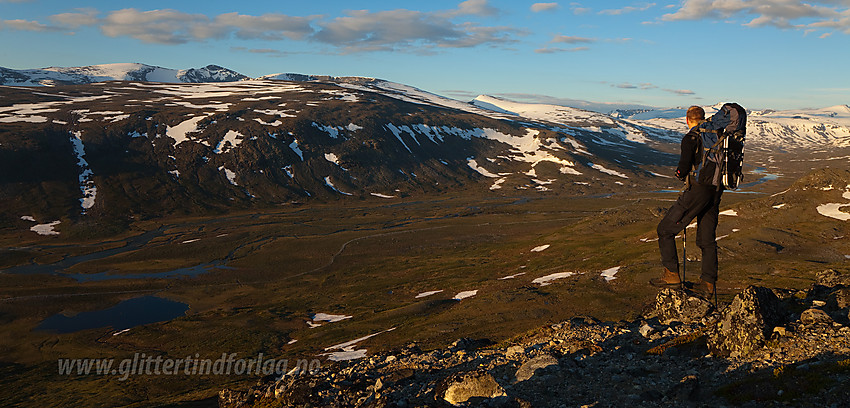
681,176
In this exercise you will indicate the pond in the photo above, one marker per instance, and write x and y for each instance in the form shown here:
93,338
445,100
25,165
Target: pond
129,313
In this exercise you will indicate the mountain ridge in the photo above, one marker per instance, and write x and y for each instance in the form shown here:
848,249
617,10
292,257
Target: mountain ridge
211,146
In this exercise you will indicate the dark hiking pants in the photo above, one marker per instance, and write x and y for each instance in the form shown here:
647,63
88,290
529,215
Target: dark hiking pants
700,202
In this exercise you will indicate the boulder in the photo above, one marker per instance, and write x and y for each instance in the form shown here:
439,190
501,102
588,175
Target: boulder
472,386
839,299
673,305
646,330
832,278
815,316
528,368
746,324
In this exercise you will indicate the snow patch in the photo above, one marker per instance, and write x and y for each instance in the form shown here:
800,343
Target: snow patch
833,210
296,149
609,274
512,276
465,294
731,213
332,158
382,195
331,185
607,171
540,248
231,176
87,185
547,280
425,294
181,131
273,124
330,318
230,140
45,229
474,166
347,351
28,218
332,131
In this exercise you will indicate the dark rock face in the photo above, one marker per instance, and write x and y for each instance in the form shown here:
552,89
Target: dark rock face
672,305
746,324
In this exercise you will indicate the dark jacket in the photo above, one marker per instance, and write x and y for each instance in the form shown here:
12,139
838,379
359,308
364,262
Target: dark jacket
691,157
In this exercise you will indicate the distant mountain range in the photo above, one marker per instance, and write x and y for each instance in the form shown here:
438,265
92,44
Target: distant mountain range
158,141
115,72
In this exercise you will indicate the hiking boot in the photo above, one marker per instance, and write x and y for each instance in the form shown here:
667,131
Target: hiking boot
668,279
704,289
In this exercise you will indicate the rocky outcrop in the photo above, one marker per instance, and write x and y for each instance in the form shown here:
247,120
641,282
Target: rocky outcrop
779,347
674,305
746,324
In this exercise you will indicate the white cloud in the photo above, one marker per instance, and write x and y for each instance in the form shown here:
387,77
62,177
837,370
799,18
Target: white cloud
626,10
266,26
833,14
155,26
475,8
357,31
538,7
26,25
407,30
683,92
85,17
572,39
578,9
643,86
553,50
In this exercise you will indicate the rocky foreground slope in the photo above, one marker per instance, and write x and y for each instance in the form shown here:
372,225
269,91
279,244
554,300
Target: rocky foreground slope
769,347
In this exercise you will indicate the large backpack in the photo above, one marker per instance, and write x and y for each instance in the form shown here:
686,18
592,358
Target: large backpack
722,137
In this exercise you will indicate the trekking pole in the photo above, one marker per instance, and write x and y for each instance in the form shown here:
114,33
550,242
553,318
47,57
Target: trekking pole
684,254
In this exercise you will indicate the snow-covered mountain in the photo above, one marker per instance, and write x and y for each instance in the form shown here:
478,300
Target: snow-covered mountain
128,148
150,143
767,129
115,72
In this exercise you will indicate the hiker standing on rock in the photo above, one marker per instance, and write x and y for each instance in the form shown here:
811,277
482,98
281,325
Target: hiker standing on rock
700,200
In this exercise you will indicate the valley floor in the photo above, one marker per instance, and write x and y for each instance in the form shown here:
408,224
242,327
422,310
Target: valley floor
356,277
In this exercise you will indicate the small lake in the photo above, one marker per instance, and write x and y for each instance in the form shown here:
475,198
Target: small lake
129,313
177,273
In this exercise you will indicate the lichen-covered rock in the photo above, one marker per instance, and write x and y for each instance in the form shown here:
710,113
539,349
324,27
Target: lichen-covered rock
464,387
815,316
530,367
235,399
673,305
746,324
832,278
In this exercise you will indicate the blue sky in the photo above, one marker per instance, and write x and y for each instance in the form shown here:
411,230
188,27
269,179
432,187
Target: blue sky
776,54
